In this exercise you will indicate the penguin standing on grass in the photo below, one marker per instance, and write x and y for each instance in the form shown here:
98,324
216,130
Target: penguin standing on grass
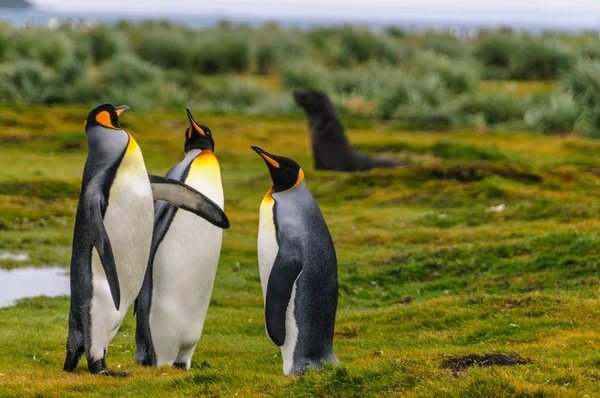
298,269
113,233
173,302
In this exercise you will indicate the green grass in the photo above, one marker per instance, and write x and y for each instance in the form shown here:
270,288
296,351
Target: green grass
426,270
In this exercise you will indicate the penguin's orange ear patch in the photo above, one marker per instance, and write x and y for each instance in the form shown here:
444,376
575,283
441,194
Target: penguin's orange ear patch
198,129
273,162
189,132
103,118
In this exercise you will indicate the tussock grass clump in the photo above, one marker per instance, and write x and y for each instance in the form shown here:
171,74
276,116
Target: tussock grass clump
442,43
127,71
26,83
346,45
272,45
304,75
361,46
562,114
103,43
166,48
507,56
38,45
428,94
583,83
128,80
5,38
279,104
235,95
458,76
540,59
219,51
495,52
493,107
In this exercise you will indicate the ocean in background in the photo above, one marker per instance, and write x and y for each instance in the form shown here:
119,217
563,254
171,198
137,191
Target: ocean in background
533,23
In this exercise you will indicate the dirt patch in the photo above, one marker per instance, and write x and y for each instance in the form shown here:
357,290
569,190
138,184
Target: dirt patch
512,303
466,172
459,363
405,300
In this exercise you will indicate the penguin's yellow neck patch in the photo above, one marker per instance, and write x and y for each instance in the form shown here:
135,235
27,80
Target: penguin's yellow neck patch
300,178
206,158
133,161
204,170
269,197
132,146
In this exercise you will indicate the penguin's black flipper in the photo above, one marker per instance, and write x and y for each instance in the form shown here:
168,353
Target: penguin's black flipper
101,242
187,198
286,269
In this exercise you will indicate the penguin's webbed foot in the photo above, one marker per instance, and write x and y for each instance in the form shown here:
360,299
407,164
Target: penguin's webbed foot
99,367
71,361
181,365
144,362
301,368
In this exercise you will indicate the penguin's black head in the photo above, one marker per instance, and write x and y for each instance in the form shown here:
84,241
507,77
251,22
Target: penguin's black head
197,136
285,173
105,115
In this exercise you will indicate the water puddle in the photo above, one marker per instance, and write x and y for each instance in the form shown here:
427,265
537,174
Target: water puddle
23,282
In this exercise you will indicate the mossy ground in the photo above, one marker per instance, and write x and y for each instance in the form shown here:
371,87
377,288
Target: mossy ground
426,269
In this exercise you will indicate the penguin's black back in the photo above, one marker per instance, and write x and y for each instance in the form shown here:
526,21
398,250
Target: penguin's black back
101,166
299,221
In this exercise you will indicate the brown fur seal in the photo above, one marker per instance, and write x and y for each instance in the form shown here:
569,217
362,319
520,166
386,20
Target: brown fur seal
330,146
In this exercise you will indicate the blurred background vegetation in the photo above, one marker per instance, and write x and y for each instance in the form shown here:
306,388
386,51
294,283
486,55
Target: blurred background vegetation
498,79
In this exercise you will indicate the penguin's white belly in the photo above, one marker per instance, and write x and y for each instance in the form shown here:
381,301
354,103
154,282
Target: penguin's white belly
267,242
291,333
267,253
184,269
128,220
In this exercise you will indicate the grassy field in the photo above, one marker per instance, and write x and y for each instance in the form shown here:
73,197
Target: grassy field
427,269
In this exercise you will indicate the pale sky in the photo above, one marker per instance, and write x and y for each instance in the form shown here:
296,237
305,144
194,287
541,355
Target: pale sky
264,5
582,11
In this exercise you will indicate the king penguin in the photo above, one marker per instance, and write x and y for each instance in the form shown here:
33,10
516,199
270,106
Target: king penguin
113,233
298,269
172,305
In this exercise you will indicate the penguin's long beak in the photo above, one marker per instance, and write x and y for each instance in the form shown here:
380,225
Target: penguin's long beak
189,114
266,156
121,109
193,123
